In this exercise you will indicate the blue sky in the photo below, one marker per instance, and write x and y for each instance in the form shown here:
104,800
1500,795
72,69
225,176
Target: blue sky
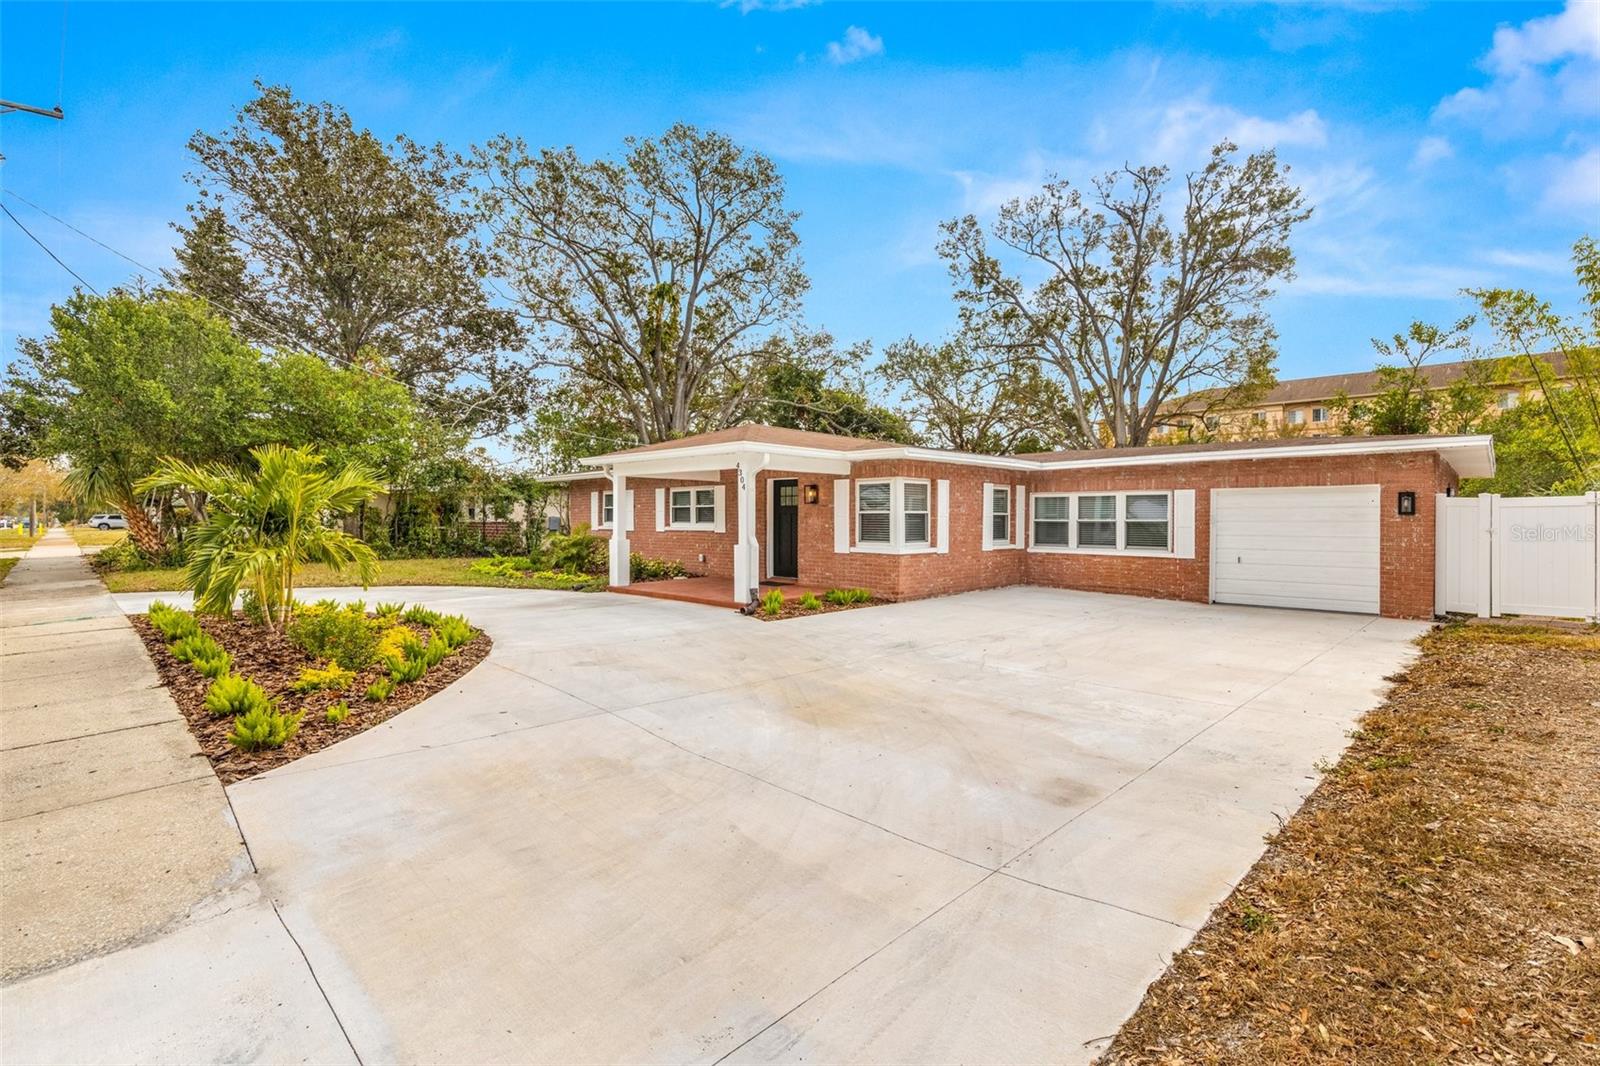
1442,145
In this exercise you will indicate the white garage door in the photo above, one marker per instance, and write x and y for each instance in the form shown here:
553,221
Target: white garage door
1302,547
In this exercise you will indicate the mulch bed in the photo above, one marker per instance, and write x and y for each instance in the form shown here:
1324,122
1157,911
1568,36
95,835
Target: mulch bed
274,663
792,609
1437,899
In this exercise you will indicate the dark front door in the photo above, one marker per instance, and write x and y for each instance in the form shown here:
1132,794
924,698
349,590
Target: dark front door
786,529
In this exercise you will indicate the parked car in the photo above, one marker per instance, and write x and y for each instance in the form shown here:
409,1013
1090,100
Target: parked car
109,520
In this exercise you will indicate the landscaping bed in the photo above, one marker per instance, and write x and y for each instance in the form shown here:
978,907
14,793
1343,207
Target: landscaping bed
775,605
395,572
276,663
1435,900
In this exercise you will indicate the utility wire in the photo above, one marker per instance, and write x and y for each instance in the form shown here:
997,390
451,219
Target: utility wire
47,250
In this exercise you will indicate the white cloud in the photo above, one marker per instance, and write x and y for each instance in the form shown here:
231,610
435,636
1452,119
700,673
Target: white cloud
858,44
1575,183
1544,71
1544,262
1431,150
1192,126
747,6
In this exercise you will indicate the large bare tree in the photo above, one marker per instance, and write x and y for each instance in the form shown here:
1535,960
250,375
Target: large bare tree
1135,306
310,233
974,401
667,278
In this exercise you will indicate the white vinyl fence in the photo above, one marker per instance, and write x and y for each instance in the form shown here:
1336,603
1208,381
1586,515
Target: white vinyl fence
1518,555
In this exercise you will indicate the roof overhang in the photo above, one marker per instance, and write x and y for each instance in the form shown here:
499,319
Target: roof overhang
1469,455
700,460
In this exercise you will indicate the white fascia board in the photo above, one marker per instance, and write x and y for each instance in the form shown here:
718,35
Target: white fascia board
697,460
562,479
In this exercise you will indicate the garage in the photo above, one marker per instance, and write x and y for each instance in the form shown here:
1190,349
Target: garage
1315,548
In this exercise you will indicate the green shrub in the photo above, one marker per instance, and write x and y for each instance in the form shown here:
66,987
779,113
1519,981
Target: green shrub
422,616
453,631
380,690
388,613
233,694
399,642
263,727
172,623
125,555
553,579
848,597
338,712
809,602
642,568
402,671
499,566
315,679
344,634
214,667
772,602
435,653
196,646
578,552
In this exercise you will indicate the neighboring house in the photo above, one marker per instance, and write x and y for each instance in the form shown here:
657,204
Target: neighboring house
1339,524
1306,406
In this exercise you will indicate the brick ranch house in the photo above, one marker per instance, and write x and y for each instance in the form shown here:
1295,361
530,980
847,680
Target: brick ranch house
1343,524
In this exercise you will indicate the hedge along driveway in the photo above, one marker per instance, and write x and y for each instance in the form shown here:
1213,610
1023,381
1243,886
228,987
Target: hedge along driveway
970,828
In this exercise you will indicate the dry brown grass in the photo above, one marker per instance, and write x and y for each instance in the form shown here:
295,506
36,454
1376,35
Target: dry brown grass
1437,899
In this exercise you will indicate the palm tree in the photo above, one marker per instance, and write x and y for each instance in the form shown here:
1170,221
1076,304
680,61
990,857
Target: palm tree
261,526
110,483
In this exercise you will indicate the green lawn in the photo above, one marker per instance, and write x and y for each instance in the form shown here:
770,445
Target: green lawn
5,566
15,538
390,572
87,536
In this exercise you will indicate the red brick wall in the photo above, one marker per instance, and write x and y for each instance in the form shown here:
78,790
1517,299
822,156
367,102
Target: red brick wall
1407,544
1406,548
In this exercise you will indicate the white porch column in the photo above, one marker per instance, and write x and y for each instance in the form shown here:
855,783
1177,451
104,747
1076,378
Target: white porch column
747,549
619,528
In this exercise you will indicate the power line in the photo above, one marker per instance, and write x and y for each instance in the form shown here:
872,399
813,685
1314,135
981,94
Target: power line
47,250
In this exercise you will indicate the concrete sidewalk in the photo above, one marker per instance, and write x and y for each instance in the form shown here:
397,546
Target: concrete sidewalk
115,831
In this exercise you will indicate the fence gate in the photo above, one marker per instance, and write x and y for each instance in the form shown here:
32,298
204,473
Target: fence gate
1518,555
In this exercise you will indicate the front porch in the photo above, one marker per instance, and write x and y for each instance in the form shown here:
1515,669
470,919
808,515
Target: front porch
713,591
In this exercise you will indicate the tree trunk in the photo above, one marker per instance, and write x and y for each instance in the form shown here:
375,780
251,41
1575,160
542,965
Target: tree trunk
143,531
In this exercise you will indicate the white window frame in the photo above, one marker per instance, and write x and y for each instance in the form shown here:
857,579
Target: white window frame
897,543
993,511
1319,415
1121,513
905,512
1297,417
694,523
607,503
1508,399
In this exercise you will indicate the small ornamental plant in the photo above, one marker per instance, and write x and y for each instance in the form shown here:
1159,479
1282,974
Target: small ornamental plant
172,623
772,603
380,690
453,631
316,679
809,602
214,667
848,597
338,712
234,695
264,727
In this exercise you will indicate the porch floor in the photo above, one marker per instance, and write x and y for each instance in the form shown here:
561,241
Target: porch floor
715,590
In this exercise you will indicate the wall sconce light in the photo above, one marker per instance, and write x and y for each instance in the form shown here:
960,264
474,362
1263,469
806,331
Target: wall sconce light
813,494
1408,503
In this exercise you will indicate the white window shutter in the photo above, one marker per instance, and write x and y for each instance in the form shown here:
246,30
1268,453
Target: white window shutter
942,546
1183,523
661,510
988,516
594,510
719,497
841,516
1020,495
627,514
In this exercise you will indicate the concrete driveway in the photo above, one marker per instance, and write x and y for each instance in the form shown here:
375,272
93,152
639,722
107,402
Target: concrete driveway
965,829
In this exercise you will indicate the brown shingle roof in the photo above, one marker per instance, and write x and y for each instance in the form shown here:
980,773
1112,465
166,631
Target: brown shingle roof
758,434
1365,383
1224,446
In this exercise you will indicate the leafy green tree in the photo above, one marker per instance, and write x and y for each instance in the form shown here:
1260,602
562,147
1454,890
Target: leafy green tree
264,524
1548,446
973,402
663,278
312,235
348,416
824,391
1132,314
1406,401
126,378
